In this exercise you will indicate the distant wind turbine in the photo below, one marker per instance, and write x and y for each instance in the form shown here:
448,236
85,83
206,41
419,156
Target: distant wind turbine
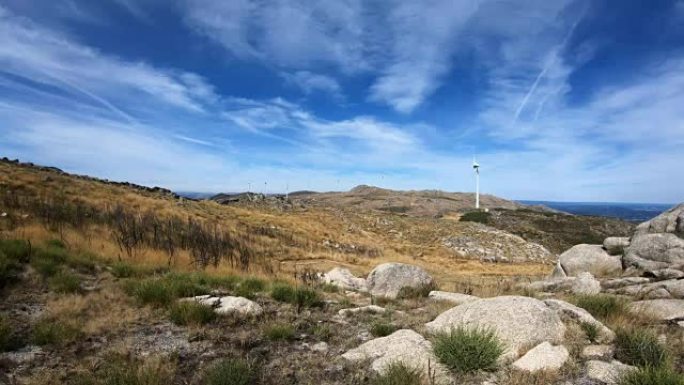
476,167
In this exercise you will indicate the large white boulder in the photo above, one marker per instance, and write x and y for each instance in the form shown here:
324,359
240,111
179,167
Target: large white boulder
543,357
403,346
615,245
607,372
660,309
670,221
518,322
455,298
580,315
589,258
388,279
652,251
238,305
343,278
585,284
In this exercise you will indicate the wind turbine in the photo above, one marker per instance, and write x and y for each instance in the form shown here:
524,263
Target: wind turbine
476,167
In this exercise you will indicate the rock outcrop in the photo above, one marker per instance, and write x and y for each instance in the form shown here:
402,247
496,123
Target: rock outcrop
580,315
670,221
543,357
607,372
615,245
344,279
455,298
660,309
517,321
652,251
584,283
387,280
228,304
403,346
589,258
670,289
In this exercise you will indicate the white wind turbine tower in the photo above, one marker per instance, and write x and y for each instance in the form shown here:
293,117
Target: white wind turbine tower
476,167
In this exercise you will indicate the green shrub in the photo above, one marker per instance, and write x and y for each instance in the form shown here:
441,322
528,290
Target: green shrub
8,339
467,350
640,347
230,372
476,216
120,370
47,261
416,292
652,376
322,332
65,282
602,305
53,332
249,287
83,262
330,288
279,332
191,313
398,374
382,329
9,270
590,330
55,243
282,292
16,250
123,270
163,291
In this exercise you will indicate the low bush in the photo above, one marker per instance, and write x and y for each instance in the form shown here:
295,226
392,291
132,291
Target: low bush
382,329
121,370
65,282
8,339
476,216
163,291
53,332
230,372
83,262
300,297
602,305
16,250
398,374
322,332
640,347
590,330
250,287
191,313
423,291
47,260
279,332
123,270
467,350
10,269
652,376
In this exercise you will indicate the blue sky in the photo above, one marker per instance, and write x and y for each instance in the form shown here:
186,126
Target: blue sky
559,100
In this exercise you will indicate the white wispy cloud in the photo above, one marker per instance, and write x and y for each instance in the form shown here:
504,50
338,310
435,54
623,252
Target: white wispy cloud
310,83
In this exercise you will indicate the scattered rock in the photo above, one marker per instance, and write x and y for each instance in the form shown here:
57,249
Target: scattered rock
404,346
597,352
585,283
558,271
517,321
543,357
343,278
654,251
664,274
493,245
660,309
388,279
321,347
239,305
25,355
607,372
366,309
657,290
616,283
206,300
670,221
615,245
578,314
456,298
589,258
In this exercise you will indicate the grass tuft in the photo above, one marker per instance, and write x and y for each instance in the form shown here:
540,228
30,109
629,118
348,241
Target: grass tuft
409,292
476,216
467,350
191,313
652,376
301,297
123,270
53,332
8,339
602,305
382,329
398,374
279,332
230,372
161,292
65,282
590,330
640,347
16,249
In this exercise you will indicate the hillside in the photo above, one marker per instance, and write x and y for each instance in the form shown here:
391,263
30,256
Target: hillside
99,279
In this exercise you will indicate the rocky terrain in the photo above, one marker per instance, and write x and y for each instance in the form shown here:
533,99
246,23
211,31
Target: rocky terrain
116,284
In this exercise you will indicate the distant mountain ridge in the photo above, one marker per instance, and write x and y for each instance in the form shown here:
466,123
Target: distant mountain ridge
633,212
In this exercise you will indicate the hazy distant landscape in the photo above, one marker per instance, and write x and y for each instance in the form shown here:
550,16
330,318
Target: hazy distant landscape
633,212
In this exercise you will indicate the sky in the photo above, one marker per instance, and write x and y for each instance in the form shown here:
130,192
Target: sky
566,100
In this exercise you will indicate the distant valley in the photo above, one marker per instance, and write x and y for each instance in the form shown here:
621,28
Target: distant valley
633,212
